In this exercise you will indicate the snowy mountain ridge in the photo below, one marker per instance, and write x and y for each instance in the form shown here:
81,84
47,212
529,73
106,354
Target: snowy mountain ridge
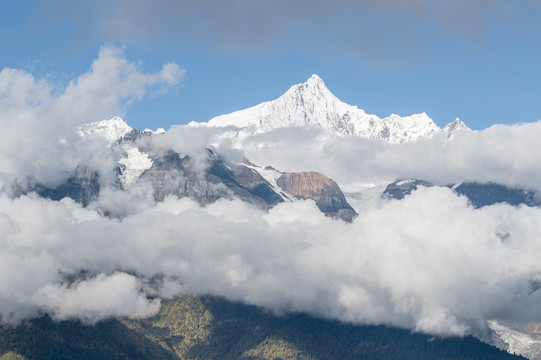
312,104
111,129
457,125
307,104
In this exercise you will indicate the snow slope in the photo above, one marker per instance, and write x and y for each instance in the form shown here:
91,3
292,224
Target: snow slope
133,161
519,340
452,128
112,129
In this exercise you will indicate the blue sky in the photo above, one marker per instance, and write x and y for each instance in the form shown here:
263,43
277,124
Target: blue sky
479,60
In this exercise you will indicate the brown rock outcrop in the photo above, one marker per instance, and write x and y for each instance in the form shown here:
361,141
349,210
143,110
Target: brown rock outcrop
316,186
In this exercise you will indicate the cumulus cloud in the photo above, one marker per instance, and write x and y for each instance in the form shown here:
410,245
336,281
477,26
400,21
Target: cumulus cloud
501,154
118,294
40,117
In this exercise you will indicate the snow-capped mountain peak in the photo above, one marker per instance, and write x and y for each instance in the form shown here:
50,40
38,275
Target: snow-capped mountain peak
112,129
312,104
455,125
315,79
450,129
314,88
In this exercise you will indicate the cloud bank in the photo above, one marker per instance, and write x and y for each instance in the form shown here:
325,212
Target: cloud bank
501,154
429,262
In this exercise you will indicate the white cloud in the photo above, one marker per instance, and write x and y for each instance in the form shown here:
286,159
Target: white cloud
103,296
111,84
501,154
39,119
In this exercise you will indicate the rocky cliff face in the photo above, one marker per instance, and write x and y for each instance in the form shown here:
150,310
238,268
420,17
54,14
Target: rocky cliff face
402,187
173,174
478,194
83,186
484,194
316,186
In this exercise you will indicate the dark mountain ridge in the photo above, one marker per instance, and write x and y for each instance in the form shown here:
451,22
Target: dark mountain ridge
478,194
206,327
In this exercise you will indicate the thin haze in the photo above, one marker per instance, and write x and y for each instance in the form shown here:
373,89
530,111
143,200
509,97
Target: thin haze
429,262
374,31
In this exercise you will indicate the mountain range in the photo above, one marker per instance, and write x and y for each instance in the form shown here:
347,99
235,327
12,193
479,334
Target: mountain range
309,104
141,160
312,104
